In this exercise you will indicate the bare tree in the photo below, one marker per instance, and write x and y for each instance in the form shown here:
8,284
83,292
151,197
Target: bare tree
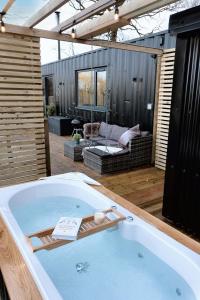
184,4
82,4
136,24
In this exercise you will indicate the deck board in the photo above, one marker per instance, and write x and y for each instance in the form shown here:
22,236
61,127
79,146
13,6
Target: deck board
142,187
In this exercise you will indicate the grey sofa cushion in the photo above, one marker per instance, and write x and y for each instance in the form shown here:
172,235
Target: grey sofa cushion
117,131
96,138
136,128
107,142
127,136
145,133
105,130
106,154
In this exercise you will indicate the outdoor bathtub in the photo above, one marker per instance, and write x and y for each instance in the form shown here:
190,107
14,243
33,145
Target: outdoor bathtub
134,261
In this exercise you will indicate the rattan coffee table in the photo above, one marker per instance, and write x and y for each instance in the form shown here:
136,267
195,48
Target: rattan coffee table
74,150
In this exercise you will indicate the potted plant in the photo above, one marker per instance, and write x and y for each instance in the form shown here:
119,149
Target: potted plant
76,138
51,109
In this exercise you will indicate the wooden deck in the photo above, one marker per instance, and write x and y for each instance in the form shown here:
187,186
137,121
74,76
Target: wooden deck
143,187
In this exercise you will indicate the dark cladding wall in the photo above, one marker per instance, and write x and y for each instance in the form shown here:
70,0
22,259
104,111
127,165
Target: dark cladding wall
181,202
130,81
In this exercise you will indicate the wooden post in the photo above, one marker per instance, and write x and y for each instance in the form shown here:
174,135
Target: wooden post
155,118
164,107
22,144
17,277
50,7
7,6
25,31
129,10
47,148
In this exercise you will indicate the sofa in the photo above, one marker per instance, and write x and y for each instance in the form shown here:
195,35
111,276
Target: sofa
136,147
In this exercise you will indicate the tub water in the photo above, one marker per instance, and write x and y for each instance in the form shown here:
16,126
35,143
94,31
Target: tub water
46,211
132,261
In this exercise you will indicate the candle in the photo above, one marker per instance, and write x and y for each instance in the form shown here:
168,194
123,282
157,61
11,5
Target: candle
99,217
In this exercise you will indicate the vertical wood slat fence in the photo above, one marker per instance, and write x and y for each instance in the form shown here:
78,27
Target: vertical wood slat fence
22,138
164,106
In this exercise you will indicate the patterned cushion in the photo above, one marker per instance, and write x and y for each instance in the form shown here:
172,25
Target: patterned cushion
91,129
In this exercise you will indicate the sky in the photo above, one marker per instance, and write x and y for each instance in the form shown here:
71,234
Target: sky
24,9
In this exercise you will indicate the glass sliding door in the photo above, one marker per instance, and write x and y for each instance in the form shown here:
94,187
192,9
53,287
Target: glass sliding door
86,88
100,87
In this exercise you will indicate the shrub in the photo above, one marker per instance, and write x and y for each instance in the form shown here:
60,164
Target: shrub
51,109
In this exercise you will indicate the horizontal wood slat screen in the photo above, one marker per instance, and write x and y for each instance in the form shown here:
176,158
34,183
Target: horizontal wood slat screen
164,106
22,136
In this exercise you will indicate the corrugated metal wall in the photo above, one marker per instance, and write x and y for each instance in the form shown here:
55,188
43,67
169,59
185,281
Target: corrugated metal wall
182,182
127,98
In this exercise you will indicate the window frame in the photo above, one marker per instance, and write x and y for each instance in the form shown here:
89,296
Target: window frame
95,100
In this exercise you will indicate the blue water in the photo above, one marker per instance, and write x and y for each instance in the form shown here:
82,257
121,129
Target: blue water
101,266
41,213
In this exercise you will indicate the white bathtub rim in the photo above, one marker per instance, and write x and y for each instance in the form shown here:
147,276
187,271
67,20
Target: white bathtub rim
32,260
177,253
26,186
40,276
38,273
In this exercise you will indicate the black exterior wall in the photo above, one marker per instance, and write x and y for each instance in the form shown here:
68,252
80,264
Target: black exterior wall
130,81
181,201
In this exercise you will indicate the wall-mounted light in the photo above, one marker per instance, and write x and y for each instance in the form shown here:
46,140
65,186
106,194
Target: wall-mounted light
162,40
3,28
73,34
2,25
154,56
116,15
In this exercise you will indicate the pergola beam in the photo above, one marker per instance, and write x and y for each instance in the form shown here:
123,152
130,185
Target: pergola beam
50,7
7,6
85,14
127,11
67,38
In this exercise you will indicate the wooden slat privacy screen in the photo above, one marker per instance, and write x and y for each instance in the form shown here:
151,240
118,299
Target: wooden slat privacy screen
164,106
22,142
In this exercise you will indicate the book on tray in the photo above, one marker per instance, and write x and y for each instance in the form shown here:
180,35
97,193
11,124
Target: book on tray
67,228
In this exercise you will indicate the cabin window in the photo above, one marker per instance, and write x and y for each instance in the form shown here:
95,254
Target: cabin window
91,87
85,87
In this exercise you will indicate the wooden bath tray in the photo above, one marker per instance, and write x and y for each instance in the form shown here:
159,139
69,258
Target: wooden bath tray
87,227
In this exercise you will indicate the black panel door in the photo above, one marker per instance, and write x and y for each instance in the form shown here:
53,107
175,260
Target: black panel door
181,201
